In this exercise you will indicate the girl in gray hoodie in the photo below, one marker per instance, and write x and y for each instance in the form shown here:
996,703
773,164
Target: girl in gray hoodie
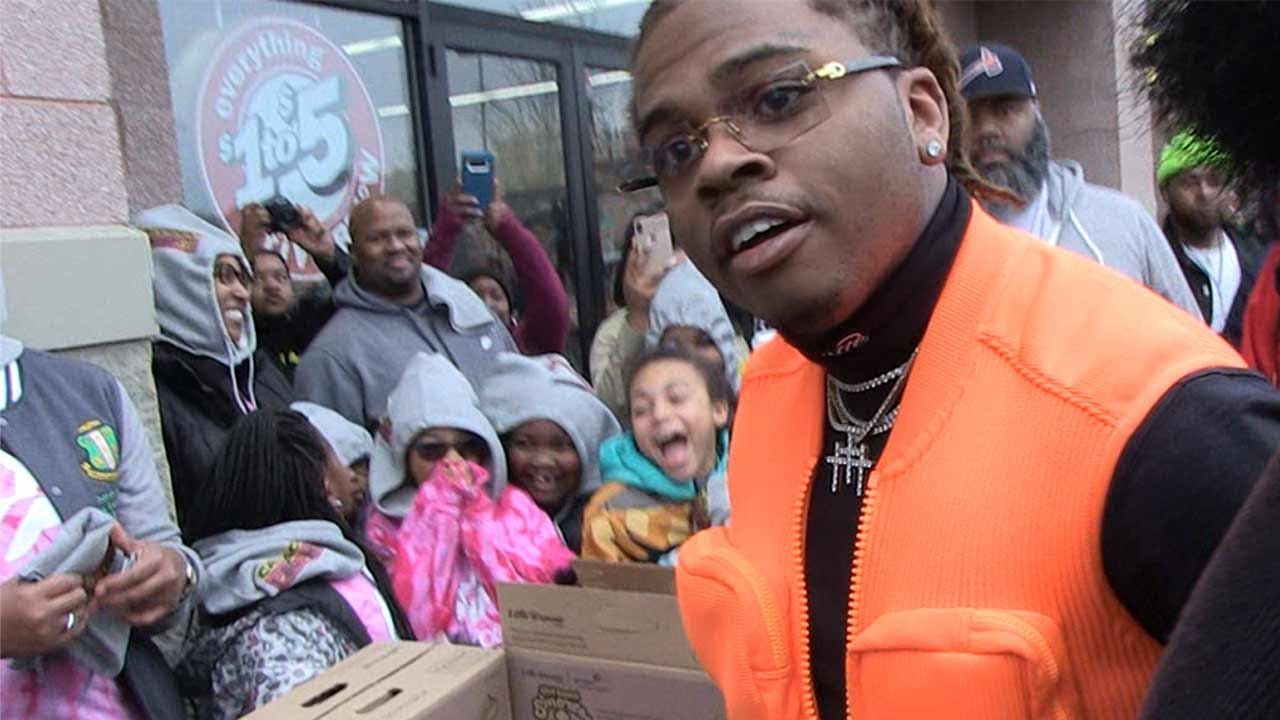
290,589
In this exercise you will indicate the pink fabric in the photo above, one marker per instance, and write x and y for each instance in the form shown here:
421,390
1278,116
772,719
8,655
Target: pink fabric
61,689
456,544
362,595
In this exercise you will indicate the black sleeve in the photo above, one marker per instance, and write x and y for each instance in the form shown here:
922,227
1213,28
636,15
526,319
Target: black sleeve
1178,484
337,268
1222,659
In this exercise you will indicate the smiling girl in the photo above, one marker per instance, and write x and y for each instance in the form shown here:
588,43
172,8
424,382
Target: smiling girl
664,480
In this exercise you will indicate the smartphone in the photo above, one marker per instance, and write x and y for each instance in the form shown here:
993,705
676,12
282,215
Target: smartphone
653,239
477,176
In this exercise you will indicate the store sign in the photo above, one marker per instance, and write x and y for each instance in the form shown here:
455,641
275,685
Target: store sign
281,111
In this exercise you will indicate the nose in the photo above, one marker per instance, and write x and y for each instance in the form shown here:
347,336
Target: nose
727,163
240,291
983,124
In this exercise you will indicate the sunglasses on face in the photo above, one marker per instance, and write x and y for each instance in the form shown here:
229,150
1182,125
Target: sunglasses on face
472,450
228,273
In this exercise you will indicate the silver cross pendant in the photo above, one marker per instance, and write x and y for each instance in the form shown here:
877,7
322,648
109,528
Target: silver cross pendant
849,462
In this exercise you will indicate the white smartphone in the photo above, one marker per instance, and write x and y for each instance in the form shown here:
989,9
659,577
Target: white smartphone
653,239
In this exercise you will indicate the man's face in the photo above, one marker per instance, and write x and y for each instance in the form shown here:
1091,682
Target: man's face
846,198
1008,143
1195,198
272,287
387,253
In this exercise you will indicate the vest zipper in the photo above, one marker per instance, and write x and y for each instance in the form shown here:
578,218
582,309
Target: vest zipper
855,585
797,558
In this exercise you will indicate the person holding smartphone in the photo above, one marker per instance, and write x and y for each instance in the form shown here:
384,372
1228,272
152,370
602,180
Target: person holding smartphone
543,326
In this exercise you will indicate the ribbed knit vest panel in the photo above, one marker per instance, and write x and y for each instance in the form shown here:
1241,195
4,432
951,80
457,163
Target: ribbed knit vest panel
978,588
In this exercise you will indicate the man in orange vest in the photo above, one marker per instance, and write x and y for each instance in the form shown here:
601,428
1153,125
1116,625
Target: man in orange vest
977,476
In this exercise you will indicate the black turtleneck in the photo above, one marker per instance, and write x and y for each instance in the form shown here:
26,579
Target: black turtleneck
1176,487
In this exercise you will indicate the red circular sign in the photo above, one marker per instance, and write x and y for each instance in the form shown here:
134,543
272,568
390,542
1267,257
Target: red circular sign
281,111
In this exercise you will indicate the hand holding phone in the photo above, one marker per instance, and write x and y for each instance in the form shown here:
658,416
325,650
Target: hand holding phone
477,176
653,240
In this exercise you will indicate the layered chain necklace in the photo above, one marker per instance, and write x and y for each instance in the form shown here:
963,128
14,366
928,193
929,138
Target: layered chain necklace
851,460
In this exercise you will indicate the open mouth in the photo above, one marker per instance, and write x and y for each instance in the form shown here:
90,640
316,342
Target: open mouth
760,230
541,484
674,449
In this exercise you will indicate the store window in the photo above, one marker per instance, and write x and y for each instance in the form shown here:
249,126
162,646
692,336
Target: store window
288,99
616,156
617,17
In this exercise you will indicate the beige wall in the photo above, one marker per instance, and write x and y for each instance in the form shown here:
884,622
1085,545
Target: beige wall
77,278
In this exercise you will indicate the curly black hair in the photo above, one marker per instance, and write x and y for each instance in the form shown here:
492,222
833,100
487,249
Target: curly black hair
1210,67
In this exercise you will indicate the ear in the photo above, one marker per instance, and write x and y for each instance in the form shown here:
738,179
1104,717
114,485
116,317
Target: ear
720,413
926,107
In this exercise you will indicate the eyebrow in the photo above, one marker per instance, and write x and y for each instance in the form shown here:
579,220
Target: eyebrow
723,73
735,64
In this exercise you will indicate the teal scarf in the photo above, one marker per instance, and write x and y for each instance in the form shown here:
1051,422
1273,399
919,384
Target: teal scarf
621,461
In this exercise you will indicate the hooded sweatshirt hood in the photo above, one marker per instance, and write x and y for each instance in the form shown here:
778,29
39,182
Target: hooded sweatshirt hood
10,348
431,393
546,387
184,250
686,298
466,310
245,566
349,441
1063,184
621,460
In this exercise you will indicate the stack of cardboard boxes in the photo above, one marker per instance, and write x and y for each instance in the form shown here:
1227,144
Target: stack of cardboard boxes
610,648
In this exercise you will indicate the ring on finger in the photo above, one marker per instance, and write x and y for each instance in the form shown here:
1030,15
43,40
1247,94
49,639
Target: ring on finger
71,621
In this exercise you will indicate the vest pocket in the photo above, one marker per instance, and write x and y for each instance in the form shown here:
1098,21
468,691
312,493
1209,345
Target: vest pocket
968,663
735,626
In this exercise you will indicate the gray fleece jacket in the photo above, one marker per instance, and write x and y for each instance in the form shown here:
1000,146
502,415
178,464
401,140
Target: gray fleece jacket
1115,231
353,363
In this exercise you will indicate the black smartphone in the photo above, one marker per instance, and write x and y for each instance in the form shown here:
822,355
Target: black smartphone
284,214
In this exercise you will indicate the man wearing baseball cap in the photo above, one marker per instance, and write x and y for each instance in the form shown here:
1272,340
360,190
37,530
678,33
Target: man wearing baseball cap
1009,144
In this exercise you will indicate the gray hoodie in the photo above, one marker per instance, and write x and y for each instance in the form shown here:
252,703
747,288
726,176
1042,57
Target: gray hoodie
349,441
686,298
431,393
245,566
184,250
354,362
1115,231
547,388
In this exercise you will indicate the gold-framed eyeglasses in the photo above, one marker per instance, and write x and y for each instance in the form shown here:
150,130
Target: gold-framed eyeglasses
767,116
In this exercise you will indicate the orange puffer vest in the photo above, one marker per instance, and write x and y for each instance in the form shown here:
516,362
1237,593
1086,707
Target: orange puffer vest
978,590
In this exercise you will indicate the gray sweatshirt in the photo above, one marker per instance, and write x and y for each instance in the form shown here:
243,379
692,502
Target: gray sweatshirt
1114,230
353,363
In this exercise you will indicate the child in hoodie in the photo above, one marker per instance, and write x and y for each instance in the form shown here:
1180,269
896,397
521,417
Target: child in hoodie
551,424
290,590
352,445
664,480
445,520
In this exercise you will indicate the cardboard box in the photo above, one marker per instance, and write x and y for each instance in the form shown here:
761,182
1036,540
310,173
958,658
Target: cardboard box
402,681
612,648
548,685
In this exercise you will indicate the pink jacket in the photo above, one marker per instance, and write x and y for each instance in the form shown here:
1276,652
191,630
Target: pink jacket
456,544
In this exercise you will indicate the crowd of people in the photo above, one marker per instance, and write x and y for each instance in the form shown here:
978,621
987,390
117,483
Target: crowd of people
965,453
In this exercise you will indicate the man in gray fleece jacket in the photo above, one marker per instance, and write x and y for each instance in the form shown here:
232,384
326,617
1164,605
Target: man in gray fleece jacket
391,308
1008,142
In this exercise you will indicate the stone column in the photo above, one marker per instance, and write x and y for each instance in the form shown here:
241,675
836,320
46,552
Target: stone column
78,279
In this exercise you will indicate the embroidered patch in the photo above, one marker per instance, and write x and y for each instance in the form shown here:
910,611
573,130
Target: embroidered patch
102,448
282,570
171,239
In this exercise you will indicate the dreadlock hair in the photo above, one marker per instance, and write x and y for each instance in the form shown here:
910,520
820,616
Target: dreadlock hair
271,471
911,31
713,376
1209,66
